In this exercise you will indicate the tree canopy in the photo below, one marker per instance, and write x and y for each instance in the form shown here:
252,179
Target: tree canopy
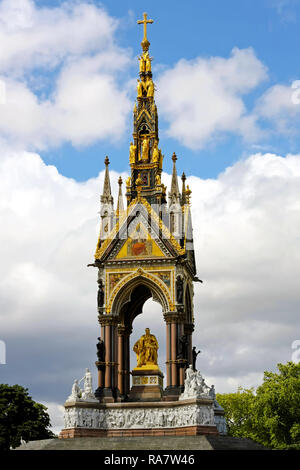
21,418
271,414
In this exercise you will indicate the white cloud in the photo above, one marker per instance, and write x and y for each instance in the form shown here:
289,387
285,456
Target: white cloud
202,98
33,36
247,249
56,413
279,106
286,9
61,66
82,101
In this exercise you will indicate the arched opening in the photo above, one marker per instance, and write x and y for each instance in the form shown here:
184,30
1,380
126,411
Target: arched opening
129,300
142,300
150,317
139,304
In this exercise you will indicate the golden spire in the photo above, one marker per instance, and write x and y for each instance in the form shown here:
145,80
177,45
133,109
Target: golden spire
106,196
120,206
188,193
174,194
183,192
145,43
139,183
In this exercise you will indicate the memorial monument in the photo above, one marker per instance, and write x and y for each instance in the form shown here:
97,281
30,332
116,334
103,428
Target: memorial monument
144,251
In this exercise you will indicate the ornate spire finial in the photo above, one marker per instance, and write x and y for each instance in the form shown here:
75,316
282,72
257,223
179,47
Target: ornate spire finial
106,196
183,192
139,183
174,194
188,194
120,205
145,43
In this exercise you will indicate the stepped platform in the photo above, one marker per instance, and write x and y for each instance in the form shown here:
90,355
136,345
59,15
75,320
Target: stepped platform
201,442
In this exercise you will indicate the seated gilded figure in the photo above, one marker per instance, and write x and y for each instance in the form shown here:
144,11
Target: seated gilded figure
146,350
145,62
150,88
141,88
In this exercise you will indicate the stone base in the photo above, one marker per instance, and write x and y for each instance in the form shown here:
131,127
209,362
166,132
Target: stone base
147,385
173,443
184,431
172,393
175,418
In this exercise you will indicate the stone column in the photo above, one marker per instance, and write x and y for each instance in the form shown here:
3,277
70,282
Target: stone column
101,367
168,354
123,361
108,358
120,362
109,325
188,331
174,341
183,358
174,321
127,363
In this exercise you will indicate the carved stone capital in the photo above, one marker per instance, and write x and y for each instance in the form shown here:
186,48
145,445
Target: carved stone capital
124,330
189,328
108,320
173,317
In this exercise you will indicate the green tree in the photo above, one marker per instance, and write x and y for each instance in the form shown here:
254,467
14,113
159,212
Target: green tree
21,417
271,414
238,411
276,411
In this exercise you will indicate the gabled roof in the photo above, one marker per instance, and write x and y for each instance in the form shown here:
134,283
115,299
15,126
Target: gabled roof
153,231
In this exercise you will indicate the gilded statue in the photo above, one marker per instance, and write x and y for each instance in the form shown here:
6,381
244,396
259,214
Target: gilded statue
160,159
145,149
157,180
155,152
128,181
142,64
141,87
145,62
132,153
148,63
146,350
150,88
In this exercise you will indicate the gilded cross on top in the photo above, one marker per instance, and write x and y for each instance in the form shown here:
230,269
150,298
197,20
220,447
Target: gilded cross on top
145,43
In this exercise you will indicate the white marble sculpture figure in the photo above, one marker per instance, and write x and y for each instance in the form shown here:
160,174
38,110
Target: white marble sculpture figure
201,383
187,414
76,392
87,393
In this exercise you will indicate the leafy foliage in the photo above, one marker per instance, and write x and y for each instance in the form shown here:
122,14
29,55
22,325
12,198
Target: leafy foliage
21,418
238,411
271,415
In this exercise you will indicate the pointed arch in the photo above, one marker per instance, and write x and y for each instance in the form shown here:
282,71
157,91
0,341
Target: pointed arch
153,287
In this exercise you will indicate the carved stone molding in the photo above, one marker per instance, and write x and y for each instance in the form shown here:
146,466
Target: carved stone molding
106,320
194,414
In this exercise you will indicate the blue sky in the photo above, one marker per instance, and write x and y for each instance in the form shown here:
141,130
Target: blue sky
189,30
